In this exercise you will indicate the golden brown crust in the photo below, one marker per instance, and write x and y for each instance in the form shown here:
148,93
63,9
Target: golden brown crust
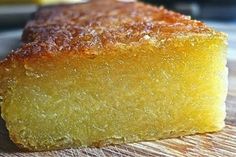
99,24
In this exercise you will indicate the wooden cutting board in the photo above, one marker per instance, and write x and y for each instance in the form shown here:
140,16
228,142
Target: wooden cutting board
222,143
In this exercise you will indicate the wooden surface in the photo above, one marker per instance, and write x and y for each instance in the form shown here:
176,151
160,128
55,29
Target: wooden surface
222,143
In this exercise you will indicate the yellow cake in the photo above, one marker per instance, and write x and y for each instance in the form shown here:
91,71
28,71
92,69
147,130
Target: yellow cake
109,72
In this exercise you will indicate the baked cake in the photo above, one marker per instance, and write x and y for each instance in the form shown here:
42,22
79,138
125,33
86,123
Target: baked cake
111,72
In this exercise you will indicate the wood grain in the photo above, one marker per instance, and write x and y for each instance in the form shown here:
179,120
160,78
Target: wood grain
222,143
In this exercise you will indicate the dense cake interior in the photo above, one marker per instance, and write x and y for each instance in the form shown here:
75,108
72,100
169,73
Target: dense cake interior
144,91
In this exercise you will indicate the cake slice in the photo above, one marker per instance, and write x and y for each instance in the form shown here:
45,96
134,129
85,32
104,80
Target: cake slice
110,72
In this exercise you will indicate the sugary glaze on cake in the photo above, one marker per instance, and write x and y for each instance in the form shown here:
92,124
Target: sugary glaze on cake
87,28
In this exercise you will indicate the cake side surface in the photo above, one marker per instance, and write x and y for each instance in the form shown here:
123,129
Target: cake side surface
71,101
124,73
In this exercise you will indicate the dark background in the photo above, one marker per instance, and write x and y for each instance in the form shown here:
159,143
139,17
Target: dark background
201,9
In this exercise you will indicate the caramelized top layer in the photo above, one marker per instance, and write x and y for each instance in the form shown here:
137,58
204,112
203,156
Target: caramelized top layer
99,24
